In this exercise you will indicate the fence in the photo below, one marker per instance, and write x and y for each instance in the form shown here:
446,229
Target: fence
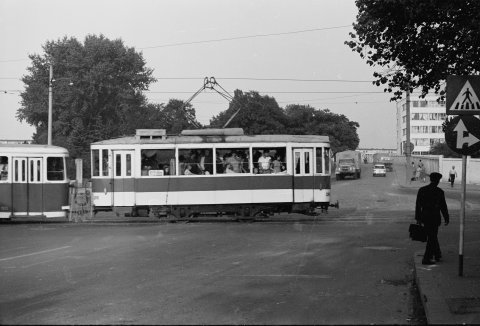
438,163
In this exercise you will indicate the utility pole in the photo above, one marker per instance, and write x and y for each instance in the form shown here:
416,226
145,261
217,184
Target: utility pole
50,105
408,149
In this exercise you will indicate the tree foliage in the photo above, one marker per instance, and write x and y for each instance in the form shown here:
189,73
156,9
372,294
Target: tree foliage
262,115
418,42
97,93
304,119
258,114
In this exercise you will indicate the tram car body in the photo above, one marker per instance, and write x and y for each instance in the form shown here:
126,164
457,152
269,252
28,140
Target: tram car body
211,171
33,181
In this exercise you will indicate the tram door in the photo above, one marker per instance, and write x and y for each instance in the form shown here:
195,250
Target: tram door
123,192
302,175
27,187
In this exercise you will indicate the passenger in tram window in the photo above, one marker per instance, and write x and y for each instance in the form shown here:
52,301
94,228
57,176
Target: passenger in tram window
145,170
256,155
234,161
195,162
181,164
166,170
219,163
188,170
243,156
206,161
255,170
264,163
277,164
3,168
229,169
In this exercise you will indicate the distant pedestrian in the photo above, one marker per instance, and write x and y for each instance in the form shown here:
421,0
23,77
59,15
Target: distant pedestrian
413,172
423,174
452,174
430,202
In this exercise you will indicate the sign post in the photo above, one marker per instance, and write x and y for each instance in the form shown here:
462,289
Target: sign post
462,134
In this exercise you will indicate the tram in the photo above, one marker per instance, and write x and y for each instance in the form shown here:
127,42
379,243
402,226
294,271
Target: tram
33,181
205,171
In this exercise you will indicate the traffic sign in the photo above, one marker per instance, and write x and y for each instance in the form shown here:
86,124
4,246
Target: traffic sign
463,95
462,134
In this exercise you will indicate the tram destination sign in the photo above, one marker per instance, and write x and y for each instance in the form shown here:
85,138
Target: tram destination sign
463,95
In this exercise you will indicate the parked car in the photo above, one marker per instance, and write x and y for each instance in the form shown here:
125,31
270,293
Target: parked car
380,170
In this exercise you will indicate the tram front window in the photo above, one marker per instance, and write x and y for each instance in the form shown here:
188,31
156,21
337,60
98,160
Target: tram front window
3,168
55,169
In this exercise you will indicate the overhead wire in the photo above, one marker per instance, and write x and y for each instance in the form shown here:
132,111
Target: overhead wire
242,37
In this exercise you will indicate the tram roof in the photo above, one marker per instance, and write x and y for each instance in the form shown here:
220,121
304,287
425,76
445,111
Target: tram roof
212,139
31,149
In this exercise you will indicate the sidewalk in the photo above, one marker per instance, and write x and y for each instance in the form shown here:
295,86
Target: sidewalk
447,297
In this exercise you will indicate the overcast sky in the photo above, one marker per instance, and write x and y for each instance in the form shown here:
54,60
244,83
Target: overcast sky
237,42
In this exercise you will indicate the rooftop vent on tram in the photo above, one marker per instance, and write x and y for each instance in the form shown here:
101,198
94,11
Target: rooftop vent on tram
151,134
214,132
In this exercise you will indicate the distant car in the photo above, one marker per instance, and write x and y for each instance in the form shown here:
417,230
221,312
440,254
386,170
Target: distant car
380,170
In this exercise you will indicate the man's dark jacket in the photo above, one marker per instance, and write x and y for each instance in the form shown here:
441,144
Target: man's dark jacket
430,202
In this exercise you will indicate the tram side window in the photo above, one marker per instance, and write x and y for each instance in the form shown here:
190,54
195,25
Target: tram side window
326,158
319,160
158,162
3,168
269,160
195,161
96,163
105,162
232,160
55,169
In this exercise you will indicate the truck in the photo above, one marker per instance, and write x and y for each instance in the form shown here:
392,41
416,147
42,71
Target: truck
348,164
383,158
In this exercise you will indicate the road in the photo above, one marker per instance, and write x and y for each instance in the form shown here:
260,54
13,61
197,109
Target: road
351,266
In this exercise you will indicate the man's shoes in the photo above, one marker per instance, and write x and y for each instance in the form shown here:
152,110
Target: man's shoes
427,262
438,259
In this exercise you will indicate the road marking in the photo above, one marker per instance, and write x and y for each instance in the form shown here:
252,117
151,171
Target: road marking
287,275
34,253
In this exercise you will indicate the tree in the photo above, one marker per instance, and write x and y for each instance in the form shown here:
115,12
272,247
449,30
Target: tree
258,114
262,115
97,92
306,120
177,116
418,42
443,149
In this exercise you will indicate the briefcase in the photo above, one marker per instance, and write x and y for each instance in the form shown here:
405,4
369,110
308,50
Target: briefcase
417,233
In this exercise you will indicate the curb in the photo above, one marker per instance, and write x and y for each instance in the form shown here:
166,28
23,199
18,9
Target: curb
436,309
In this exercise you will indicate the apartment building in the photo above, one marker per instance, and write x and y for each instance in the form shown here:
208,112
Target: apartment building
426,118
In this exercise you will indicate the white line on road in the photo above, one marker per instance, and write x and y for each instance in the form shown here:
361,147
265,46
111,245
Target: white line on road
34,253
286,275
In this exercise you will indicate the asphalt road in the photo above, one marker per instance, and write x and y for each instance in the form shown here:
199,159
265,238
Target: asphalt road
351,266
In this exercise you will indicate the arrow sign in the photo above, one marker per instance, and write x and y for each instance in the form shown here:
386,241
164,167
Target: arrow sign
462,134
461,130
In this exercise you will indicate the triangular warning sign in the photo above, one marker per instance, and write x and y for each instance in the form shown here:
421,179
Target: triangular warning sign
466,100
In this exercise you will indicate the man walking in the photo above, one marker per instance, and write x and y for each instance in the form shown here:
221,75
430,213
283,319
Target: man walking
430,202
452,175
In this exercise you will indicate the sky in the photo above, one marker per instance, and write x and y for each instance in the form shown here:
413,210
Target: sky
292,50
